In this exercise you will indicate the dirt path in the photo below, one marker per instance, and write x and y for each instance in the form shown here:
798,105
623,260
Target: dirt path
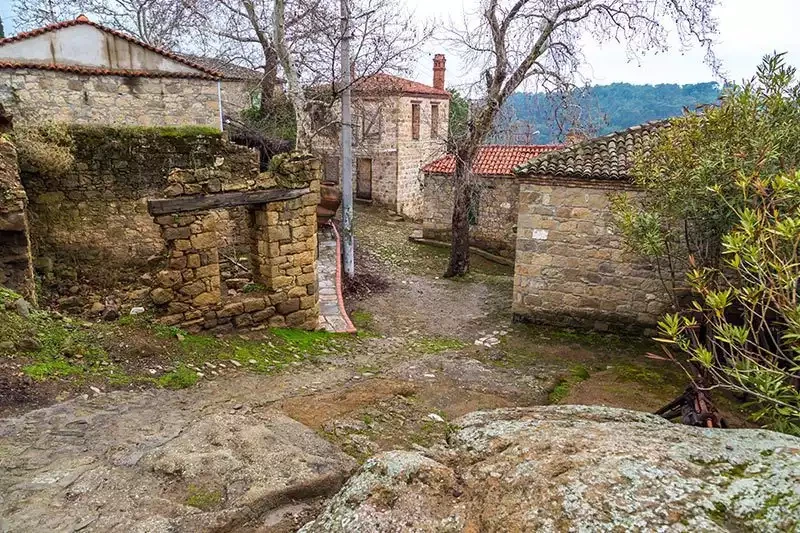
429,350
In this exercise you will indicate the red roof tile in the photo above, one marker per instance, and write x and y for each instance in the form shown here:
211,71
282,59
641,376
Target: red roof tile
89,70
493,160
388,84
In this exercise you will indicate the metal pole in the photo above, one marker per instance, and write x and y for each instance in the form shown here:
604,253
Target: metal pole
347,147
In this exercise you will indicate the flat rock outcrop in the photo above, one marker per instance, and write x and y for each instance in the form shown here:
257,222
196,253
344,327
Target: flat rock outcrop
576,468
158,462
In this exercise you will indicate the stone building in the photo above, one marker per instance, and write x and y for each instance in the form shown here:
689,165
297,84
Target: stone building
398,126
571,266
79,71
493,212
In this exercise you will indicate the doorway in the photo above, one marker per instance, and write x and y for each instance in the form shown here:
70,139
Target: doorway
364,178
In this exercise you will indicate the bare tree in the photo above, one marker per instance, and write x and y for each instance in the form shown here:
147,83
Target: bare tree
164,23
539,42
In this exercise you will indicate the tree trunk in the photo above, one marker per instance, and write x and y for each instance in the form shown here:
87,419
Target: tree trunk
462,194
268,83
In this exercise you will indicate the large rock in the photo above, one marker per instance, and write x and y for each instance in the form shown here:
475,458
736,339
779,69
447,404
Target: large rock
161,462
576,468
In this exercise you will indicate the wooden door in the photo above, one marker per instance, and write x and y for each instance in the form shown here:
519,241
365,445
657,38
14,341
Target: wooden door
364,178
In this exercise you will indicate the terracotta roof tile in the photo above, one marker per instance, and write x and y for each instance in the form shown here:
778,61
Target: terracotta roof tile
389,84
91,71
492,160
83,20
609,157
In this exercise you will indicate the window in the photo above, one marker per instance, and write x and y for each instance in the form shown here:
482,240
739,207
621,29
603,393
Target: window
415,121
371,123
434,121
332,169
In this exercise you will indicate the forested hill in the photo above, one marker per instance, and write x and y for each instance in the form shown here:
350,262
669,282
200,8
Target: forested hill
604,108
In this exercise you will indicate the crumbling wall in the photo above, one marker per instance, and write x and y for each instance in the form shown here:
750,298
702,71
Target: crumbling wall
16,268
283,253
95,215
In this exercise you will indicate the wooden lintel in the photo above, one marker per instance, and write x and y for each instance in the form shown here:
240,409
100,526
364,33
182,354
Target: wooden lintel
201,202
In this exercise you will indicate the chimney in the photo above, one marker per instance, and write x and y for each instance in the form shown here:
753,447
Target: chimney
575,136
438,71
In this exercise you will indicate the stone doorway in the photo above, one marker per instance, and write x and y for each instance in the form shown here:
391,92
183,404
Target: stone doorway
364,178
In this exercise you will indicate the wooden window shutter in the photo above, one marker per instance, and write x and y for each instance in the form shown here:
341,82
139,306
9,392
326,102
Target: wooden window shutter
434,121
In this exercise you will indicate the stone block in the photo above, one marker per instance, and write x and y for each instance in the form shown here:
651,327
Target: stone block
168,278
264,314
308,302
206,298
289,306
297,291
193,289
242,320
277,321
193,260
204,241
161,296
231,309
254,304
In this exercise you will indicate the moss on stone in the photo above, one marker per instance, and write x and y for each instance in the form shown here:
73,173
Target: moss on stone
202,498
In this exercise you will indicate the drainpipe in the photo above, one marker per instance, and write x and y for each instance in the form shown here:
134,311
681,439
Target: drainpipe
219,102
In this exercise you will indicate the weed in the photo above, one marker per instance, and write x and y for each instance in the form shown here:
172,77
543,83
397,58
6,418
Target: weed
561,390
362,319
253,287
203,499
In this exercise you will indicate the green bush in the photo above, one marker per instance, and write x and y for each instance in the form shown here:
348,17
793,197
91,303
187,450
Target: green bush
721,202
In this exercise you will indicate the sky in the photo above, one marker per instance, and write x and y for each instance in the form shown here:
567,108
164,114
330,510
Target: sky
748,29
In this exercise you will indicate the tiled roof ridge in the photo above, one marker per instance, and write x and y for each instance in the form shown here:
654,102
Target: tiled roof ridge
402,85
95,71
82,19
578,160
492,159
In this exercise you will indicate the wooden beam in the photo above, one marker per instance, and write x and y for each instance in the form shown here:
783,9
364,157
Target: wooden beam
201,202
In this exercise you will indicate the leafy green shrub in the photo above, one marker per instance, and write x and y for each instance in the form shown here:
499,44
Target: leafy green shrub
750,308
721,201
47,148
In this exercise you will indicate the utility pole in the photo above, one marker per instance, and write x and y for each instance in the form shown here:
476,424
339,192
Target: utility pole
347,146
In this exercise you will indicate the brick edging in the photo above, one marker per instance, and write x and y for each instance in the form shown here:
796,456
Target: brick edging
340,299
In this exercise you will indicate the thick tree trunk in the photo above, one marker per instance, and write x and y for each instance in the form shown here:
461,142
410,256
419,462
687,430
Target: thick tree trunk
462,194
268,83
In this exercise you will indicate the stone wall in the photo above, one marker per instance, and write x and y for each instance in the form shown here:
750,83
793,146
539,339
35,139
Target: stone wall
413,154
283,256
571,268
496,224
16,266
97,211
34,95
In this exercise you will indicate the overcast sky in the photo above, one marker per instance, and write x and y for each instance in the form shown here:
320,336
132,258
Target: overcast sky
748,29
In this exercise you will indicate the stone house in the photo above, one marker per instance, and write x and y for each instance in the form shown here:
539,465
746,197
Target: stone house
398,125
493,212
79,71
571,266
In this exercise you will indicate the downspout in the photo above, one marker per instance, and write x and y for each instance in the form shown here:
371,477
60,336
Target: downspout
219,102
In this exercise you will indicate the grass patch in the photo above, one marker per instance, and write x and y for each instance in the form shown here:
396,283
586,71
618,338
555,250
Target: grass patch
639,374
434,345
203,499
362,319
56,368
180,378
561,390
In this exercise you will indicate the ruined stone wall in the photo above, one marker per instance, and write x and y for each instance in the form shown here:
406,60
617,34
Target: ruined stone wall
571,268
283,255
38,95
16,266
496,223
97,213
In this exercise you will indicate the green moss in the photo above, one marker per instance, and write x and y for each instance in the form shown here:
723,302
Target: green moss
203,499
362,319
434,345
54,368
180,378
561,390
253,287
107,133
639,374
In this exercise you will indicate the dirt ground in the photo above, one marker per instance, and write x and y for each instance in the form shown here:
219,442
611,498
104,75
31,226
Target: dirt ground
428,350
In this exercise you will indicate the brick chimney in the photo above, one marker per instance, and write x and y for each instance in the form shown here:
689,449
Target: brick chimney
438,71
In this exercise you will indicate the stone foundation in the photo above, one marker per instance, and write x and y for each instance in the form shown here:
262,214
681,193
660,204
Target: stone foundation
16,265
571,267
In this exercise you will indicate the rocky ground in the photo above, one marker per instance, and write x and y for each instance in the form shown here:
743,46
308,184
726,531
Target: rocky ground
146,456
